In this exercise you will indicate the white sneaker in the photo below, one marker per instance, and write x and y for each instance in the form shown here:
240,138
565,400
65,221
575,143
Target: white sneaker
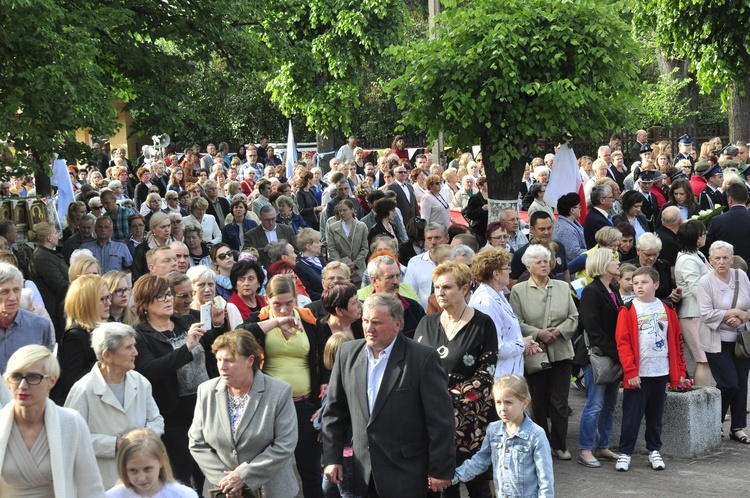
656,461
623,463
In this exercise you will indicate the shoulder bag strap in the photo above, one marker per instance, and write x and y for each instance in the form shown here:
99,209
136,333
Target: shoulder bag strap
736,288
547,305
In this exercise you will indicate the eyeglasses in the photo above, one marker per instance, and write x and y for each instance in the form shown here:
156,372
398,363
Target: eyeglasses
224,255
121,292
95,208
505,268
106,299
32,379
499,237
182,295
164,297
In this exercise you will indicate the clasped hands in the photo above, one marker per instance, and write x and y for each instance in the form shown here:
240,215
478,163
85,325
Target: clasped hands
736,317
232,484
548,335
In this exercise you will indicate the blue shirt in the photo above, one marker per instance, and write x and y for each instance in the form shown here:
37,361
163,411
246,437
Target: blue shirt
27,328
522,464
111,256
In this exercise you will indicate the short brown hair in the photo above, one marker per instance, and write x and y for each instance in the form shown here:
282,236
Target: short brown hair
485,263
433,180
647,270
145,291
239,342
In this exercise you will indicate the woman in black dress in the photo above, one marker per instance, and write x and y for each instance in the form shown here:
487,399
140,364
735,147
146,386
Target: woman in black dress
385,212
466,340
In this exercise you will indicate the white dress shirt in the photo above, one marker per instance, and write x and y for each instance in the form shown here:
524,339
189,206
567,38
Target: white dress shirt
375,372
419,276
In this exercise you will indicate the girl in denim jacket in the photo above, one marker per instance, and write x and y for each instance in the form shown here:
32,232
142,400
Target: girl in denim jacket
515,446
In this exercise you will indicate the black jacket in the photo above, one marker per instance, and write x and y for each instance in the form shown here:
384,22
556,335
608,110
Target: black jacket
598,314
158,361
76,357
310,277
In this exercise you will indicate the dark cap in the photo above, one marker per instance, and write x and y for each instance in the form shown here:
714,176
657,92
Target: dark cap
730,150
701,167
716,170
678,176
645,148
686,140
651,176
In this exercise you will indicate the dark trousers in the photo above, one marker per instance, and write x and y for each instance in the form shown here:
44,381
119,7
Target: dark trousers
549,400
308,451
176,441
730,374
649,401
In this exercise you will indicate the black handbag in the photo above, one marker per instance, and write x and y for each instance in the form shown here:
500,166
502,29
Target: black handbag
742,346
605,369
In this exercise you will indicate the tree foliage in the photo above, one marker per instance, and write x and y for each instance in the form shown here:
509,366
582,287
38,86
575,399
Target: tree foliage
319,50
511,72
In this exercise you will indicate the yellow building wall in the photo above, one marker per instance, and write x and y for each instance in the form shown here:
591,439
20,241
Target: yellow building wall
119,139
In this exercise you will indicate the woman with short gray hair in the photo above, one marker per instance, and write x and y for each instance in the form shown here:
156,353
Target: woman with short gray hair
546,311
113,398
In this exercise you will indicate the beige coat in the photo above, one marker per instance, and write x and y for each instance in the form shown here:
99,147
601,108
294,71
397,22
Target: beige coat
107,419
688,270
710,298
528,303
266,437
74,470
348,249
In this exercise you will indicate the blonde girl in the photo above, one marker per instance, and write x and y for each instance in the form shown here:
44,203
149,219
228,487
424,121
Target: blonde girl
515,446
143,466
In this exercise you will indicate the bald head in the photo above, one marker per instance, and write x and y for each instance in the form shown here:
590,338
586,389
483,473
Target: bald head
671,218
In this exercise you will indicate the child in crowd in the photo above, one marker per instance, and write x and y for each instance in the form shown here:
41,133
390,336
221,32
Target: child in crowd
626,283
344,488
649,342
144,469
515,446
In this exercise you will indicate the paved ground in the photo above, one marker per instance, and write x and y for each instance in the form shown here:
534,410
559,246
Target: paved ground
725,473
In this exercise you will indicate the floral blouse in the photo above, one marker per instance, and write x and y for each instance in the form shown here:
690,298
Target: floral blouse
469,361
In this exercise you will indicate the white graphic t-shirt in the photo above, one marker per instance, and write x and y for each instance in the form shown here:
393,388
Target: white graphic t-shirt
652,338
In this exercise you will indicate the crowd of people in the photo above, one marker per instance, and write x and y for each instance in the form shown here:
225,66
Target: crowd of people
205,322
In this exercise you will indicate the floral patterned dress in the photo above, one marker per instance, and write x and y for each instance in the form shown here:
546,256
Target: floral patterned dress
469,361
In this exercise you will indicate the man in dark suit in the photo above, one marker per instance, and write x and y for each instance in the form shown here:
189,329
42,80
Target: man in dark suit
218,207
269,231
650,206
390,392
598,217
405,198
641,138
685,144
671,220
734,225
343,192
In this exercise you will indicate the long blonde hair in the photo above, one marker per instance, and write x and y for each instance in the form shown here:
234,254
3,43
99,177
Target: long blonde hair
111,279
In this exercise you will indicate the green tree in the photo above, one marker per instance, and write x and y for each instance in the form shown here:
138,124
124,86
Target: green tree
320,50
714,35
510,72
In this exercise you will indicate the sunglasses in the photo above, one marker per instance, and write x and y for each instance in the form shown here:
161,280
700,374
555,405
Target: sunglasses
224,255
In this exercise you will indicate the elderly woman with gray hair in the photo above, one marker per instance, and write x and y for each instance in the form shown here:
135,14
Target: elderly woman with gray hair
724,300
648,247
547,313
113,398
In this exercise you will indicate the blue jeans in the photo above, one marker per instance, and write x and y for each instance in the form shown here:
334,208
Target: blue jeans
598,413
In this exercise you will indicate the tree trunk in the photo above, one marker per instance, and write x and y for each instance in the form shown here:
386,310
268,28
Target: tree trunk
739,112
689,92
503,185
327,143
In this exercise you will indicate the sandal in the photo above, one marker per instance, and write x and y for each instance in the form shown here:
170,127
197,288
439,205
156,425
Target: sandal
744,439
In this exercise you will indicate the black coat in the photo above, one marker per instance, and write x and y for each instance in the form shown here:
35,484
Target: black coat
598,314
224,204
310,277
50,274
595,220
732,227
158,361
76,357
307,202
476,216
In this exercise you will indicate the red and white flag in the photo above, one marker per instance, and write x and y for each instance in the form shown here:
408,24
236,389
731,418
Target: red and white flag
565,178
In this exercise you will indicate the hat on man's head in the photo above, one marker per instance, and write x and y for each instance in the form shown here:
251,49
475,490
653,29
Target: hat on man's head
716,170
702,166
678,176
645,148
686,140
730,150
651,176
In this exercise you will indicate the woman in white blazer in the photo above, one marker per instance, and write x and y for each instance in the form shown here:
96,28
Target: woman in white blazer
113,398
347,241
61,461
198,216
244,430
690,267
